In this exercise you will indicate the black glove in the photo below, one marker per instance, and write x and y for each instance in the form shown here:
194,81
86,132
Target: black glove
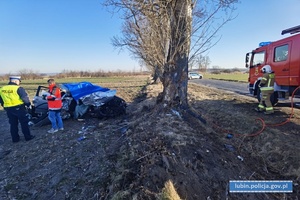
51,99
28,105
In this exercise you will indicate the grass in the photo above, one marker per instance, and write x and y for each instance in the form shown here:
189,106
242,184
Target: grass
238,77
169,192
129,85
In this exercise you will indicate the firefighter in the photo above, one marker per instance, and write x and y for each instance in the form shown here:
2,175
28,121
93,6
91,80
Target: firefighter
54,106
13,99
267,89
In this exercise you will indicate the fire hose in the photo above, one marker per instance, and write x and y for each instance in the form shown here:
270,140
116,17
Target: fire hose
262,121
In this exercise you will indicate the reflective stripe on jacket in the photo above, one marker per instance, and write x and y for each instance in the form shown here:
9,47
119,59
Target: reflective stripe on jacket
10,96
267,82
54,100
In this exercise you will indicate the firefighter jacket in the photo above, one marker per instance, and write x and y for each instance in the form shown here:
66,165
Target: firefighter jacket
267,82
54,99
12,95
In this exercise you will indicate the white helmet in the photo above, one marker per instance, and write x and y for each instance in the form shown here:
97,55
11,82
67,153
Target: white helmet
266,69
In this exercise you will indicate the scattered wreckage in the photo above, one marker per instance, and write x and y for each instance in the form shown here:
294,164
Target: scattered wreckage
78,100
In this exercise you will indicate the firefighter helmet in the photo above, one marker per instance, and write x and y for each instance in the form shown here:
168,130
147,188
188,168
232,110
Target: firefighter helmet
266,69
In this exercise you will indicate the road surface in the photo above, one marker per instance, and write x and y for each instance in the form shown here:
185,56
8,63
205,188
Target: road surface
238,87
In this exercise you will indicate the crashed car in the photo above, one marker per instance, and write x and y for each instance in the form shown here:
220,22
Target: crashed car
78,99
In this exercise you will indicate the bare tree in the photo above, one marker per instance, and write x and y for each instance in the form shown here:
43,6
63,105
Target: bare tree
29,74
202,62
165,34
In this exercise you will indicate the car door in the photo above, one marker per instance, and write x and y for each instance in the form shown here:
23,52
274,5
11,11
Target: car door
281,62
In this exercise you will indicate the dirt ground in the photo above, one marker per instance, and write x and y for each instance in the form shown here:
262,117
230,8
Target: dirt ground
133,156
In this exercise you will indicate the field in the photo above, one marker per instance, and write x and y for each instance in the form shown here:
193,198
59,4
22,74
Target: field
143,154
132,86
239,77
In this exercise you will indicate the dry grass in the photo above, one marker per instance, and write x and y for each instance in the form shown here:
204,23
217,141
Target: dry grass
161,156
169,192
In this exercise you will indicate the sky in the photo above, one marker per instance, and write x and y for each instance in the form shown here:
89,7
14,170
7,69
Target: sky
49,36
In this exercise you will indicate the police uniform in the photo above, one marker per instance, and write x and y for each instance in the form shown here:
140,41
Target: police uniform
14,99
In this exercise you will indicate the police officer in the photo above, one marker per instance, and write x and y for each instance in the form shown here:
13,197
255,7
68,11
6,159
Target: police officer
14,99
267,89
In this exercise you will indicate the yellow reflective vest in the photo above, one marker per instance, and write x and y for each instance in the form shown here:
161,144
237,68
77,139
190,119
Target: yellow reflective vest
10,96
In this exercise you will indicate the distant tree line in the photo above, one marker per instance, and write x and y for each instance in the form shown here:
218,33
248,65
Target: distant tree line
219,70
26,74
99,73
31,75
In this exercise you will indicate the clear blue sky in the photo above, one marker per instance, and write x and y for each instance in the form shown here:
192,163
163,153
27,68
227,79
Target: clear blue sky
257,21
49,36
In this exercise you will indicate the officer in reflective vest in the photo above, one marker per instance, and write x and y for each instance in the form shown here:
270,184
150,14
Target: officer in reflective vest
14,99
267,89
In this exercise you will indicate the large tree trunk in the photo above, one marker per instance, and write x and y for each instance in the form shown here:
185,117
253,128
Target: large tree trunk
175,83
175,78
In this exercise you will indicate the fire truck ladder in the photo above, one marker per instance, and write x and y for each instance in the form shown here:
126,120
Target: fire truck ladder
292,30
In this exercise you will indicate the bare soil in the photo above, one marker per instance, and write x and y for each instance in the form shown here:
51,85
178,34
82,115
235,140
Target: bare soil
133,156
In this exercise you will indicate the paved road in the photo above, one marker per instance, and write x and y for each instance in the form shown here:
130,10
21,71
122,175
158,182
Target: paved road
238,87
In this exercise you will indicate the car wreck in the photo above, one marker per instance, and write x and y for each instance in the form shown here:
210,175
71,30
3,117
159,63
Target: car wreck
79,99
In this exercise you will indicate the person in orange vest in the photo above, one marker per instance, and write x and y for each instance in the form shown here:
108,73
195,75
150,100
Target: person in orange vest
54,107
14,100
267,89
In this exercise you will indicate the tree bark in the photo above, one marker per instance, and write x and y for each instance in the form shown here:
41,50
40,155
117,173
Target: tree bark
175,78
175,83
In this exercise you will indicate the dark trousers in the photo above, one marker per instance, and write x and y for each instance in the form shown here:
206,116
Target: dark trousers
15,115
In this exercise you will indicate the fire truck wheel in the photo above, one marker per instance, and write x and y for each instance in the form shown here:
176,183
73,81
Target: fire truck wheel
273,99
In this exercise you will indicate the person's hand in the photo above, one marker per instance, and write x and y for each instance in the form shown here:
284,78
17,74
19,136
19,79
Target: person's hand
28,106
45,95
51,98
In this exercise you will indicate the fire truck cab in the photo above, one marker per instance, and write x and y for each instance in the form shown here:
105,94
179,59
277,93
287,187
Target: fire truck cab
284,58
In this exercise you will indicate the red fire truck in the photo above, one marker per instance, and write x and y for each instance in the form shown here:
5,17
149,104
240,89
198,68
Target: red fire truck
284,58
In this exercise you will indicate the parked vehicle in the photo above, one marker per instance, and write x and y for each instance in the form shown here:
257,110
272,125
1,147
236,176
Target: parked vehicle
284,57
194,75
78,99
